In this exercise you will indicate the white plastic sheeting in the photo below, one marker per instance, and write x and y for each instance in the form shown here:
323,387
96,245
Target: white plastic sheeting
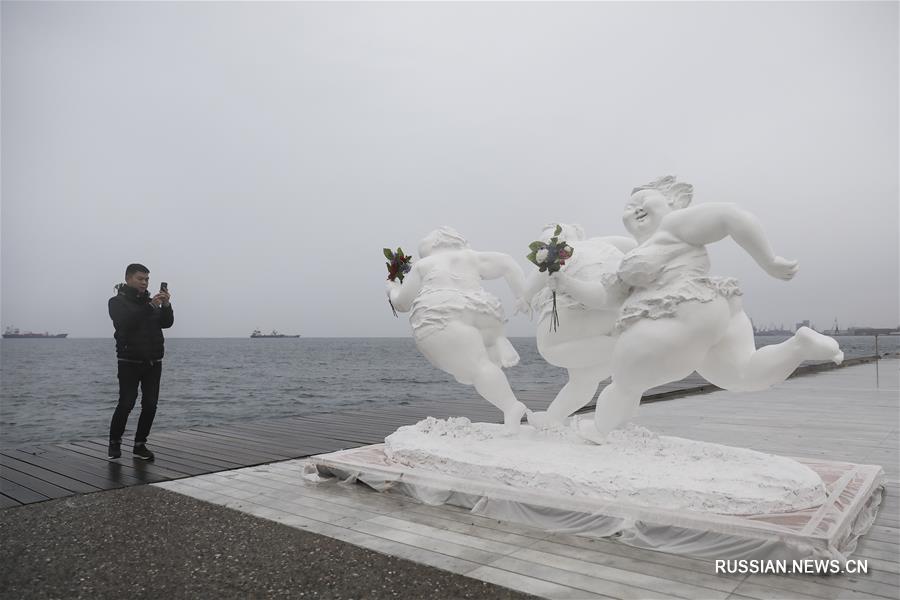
829,531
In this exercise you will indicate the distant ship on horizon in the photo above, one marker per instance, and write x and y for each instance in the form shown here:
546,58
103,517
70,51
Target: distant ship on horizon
853,330
14,333
835,330
259,334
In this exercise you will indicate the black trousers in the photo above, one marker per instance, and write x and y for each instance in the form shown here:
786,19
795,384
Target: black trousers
131,375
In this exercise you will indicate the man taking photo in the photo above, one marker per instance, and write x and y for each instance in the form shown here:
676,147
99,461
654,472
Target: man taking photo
139,321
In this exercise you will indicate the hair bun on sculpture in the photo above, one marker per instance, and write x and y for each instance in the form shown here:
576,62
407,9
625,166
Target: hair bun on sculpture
442,237
679,195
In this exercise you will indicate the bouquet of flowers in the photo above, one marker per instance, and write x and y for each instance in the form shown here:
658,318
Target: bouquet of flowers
550,257
398,266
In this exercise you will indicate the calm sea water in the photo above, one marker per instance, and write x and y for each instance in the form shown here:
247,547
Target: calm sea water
60,390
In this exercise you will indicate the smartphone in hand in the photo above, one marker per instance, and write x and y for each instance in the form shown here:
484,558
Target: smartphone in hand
163,287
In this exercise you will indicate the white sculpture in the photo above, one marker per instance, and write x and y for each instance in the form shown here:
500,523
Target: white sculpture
646,312
583,343
456,324
677,319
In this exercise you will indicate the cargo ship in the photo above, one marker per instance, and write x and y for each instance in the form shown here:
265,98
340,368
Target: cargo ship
259,334
14,333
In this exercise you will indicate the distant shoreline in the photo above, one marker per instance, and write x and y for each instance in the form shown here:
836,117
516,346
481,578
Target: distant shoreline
398,337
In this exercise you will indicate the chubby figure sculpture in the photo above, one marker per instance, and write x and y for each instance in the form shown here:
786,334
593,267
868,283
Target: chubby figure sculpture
677,319
456,324
589,295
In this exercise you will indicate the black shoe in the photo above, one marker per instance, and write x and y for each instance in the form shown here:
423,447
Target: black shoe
141,451
115,450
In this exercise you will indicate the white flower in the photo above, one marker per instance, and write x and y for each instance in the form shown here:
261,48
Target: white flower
541,256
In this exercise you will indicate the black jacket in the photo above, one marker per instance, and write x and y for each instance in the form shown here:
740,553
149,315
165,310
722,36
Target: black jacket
139,325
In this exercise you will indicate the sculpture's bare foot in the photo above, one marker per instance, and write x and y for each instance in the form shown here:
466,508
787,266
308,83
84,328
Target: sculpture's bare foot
819,347
587,430
508,357
543,419
512,418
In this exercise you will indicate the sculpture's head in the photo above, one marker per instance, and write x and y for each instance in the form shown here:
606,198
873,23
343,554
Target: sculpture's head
651,202
444,238
570,232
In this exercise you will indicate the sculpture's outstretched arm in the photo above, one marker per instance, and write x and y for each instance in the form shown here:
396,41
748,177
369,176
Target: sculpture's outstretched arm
708,223
535,283
493,265
402,295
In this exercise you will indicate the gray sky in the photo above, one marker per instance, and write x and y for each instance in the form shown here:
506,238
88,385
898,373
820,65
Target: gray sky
259,156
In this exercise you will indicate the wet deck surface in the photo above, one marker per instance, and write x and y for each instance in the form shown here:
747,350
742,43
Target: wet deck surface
849,414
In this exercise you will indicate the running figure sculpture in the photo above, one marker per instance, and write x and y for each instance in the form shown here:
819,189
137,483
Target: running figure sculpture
456,324
589,296
677,319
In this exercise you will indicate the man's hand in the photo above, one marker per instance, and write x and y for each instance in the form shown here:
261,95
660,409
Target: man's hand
160,299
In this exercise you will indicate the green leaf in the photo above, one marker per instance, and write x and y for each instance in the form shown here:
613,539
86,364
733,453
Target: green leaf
532,256
535,246
388,254
557,231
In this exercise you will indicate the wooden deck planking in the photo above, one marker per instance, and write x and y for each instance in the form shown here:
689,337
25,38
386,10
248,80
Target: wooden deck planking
19,493
52,467
167,461
287,439
138,469
303,428
7,502
200,453
111,474
69,483
36,484
564,566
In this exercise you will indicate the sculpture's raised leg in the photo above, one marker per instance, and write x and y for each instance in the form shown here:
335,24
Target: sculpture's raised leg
735,363
653,352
